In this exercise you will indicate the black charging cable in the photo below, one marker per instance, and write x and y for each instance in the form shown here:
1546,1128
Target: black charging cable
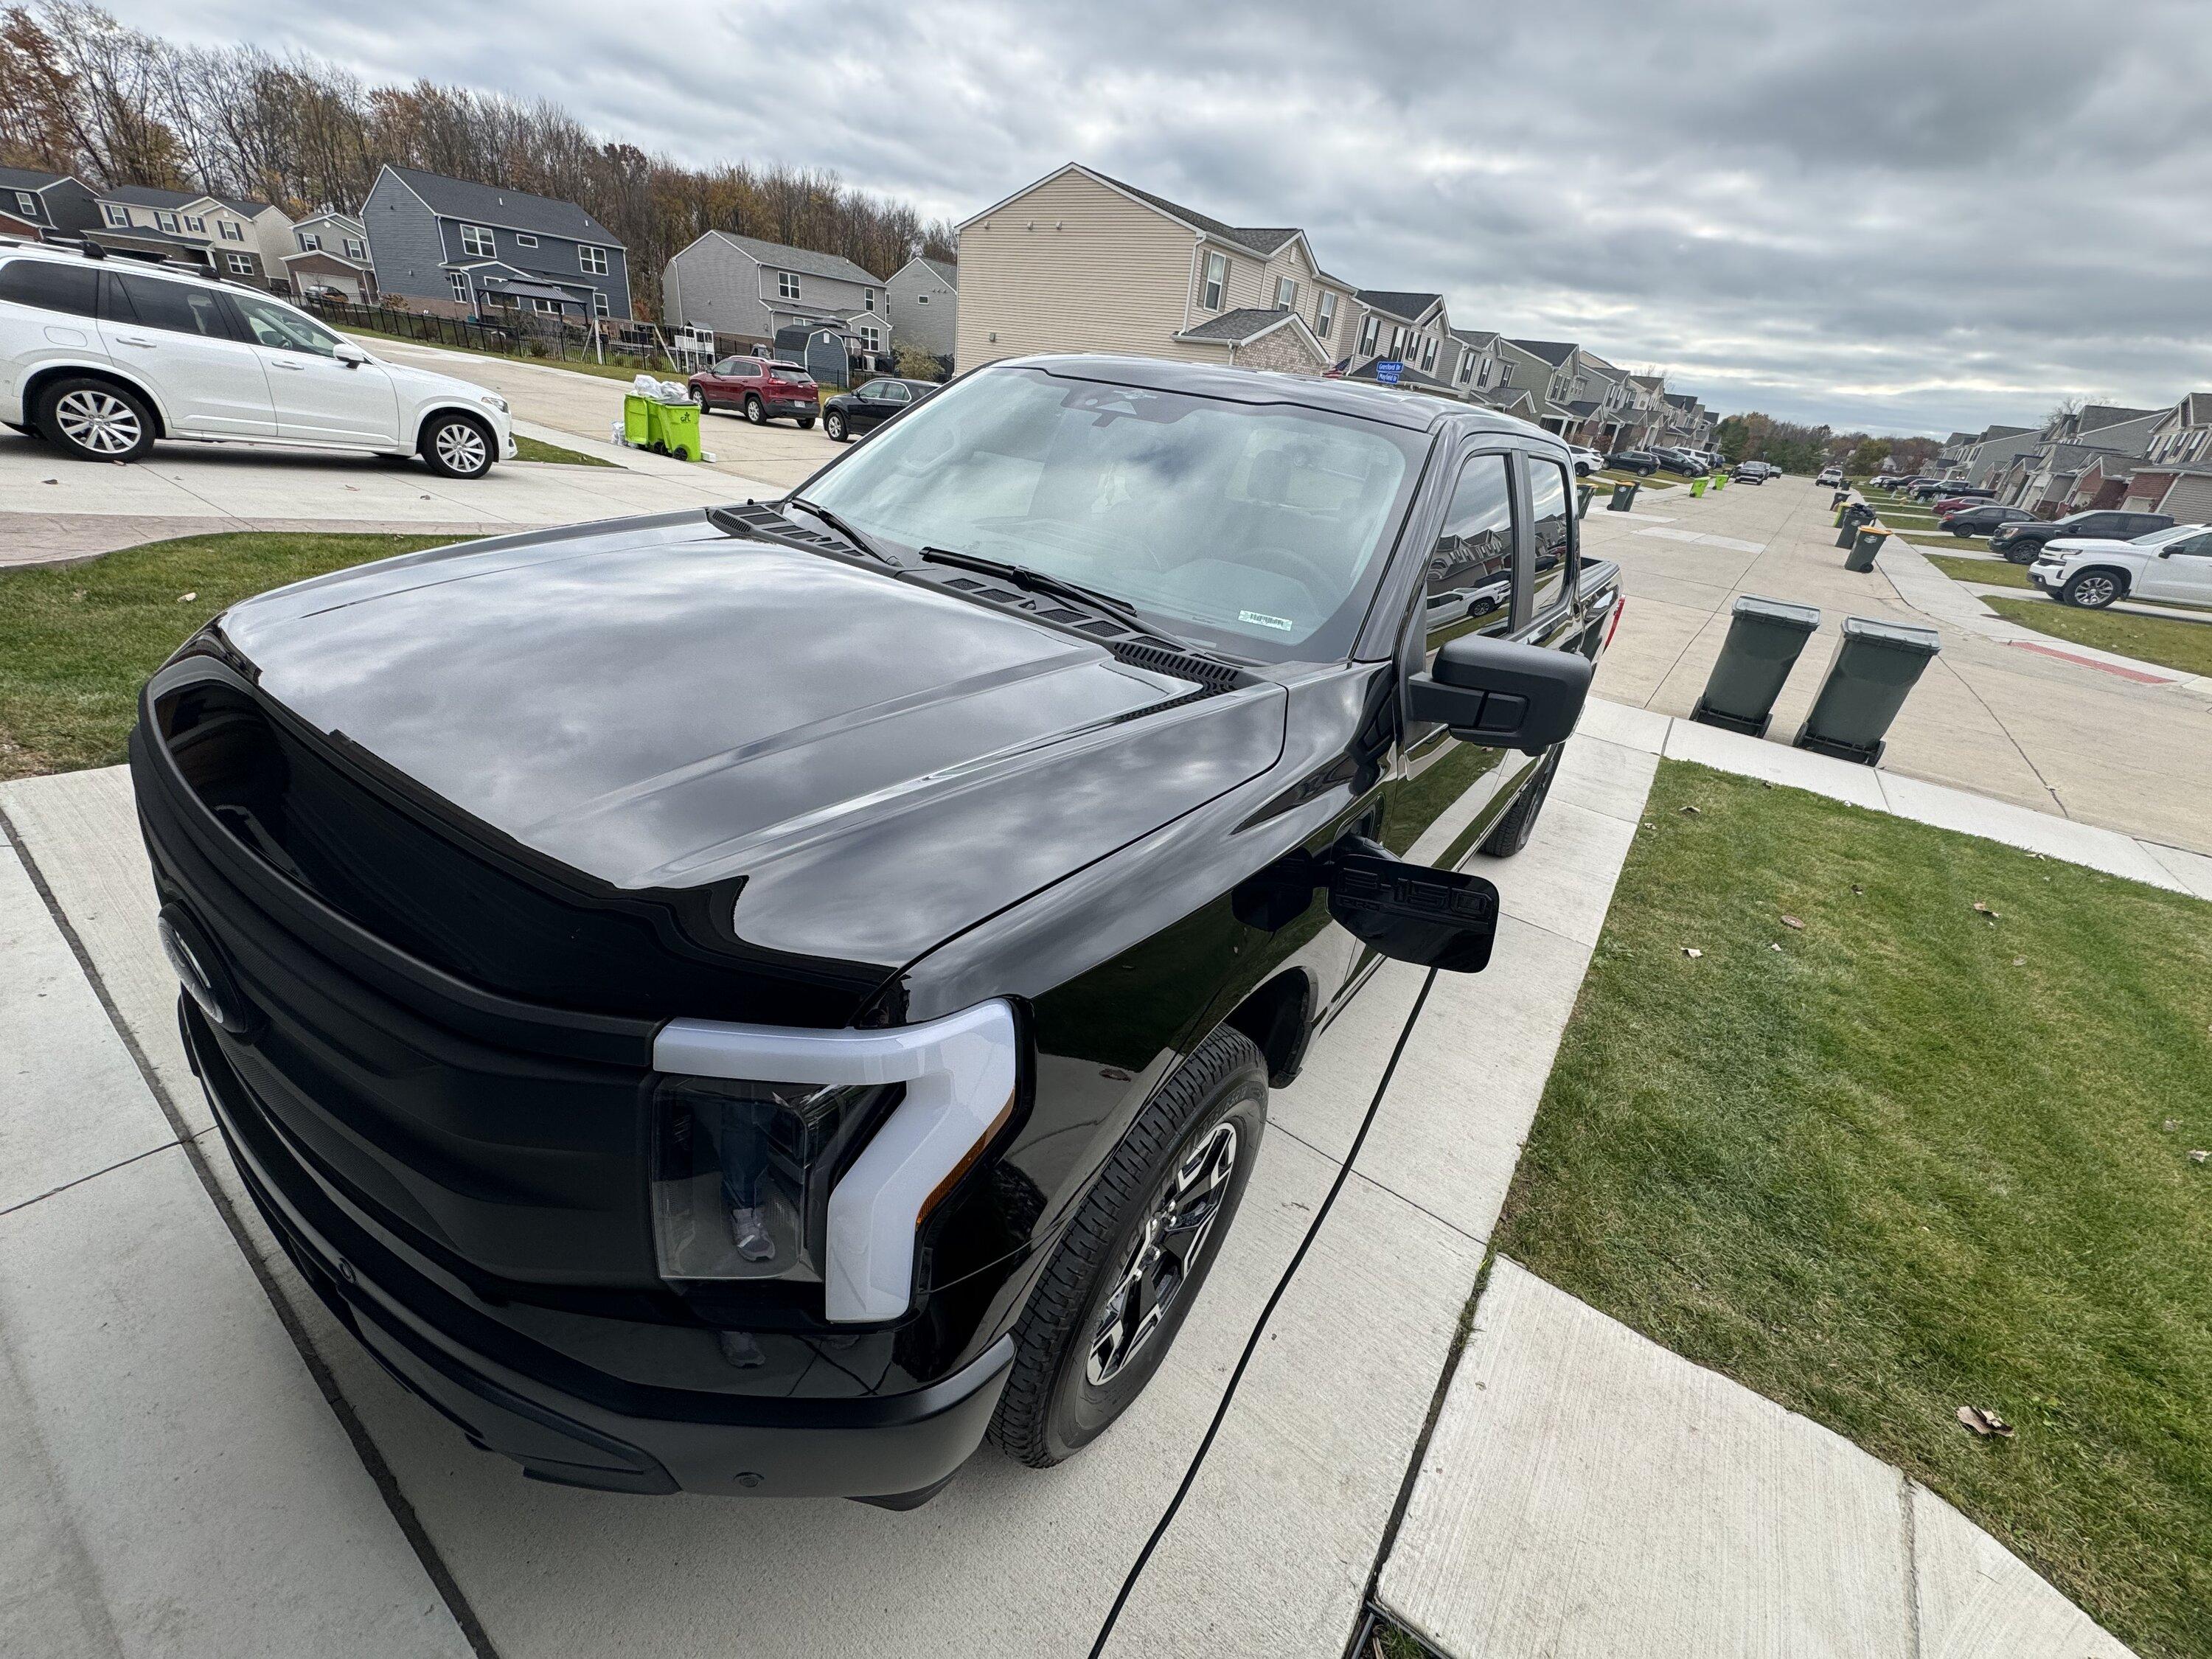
1252,1343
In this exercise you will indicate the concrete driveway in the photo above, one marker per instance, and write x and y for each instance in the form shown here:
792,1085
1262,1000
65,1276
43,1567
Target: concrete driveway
2002,711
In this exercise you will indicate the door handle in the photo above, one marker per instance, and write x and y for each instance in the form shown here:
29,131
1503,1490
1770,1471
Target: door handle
133,340
281,362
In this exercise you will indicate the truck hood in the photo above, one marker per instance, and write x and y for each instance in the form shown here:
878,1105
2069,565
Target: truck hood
657,704
2064,546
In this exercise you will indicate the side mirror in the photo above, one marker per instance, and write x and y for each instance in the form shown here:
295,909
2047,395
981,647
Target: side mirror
349,354
1501,694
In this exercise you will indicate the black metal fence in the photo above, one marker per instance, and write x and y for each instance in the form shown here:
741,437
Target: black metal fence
527,336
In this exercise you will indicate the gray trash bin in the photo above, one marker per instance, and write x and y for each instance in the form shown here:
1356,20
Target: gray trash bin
1854,516
1764,640
1583,493
1876,666
1839,498
1624,496
1864,546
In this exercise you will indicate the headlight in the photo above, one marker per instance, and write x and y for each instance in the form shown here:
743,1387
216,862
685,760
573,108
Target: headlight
494,400
817,1156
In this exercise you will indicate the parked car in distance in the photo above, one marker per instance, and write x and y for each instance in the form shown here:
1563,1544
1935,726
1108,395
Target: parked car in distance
2021,541
2173,565
1943,504
1586,461
1756,472
866,408
1982,518
809,996
1831,477
1687,462
101,357
1633,460
761,389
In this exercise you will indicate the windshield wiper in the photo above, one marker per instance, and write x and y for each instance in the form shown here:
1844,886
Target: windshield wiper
1038,581
843,529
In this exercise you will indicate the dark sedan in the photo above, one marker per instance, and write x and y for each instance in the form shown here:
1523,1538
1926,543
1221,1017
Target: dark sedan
848,414
1980,521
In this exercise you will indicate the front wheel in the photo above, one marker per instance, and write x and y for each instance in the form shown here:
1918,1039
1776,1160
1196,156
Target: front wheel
833,423
2015,553
456,446
1511,832
2092,590
1130,1266
699,401
90,420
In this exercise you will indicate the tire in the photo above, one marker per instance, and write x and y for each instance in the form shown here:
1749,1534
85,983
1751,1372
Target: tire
699,402
1078,1363
1511,832
94,420
806,424
2019,553
1963,535
2092,590
833,425
755,412
456,446
1582,469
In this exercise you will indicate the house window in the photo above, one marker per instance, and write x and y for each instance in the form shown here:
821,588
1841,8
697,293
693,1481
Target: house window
871,337
1217,280
549,307
521,240
1466,367
241,265
1325,314
354,249
786,284
460,279
868,298
231,233
26,203
309,242
118,215
1286,294
195,224
476,239
599,302
921,299
165,222
1428,355
1370,330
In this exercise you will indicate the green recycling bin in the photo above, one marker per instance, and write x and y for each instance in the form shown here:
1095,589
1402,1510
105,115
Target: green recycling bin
1720,480
677,430
1765,638
1864,546
1624,497
1698,486
1583,493
637,420
1874,668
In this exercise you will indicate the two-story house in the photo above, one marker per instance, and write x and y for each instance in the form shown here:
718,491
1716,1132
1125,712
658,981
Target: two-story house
1408,327
922,298
224,236
2175,475
1078,261
40,206
456,247
330,253
748,288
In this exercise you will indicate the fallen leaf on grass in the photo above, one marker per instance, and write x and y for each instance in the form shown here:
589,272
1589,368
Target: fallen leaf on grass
1984,1423
1692,952
1774,947
1792,922
2020,962
1694,809
1856,888
186,599
2199,1156
2170,1125
1983,910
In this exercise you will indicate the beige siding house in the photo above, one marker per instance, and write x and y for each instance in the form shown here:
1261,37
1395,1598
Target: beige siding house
1080,262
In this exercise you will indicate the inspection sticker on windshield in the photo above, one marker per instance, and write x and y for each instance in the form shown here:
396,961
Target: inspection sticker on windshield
1266,621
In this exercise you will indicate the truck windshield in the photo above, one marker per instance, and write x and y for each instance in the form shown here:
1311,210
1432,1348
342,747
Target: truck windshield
1258,529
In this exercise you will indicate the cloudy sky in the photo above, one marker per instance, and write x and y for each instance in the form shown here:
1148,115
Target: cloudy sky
1907,217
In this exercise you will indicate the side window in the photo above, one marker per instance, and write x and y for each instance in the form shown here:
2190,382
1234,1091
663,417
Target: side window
897,392
175,307
1553,519
50,286
1469,585
274,326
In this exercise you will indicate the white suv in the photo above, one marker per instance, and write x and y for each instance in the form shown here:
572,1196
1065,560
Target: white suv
101,356
2174,564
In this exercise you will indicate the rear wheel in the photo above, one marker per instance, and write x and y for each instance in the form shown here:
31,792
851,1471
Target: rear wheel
90,420
456,446
1130,1266
806,424
1510,833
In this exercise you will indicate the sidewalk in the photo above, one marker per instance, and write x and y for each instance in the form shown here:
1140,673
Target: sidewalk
2004,712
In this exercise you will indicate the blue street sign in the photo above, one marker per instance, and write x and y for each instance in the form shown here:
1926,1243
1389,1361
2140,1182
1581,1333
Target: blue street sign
1388,372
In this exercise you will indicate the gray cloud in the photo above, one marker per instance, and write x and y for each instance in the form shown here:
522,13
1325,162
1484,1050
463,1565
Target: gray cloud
1912,217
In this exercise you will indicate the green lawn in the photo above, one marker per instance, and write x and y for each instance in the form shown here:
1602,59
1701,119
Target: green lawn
1916,1158
77,641
2185,646
1993,573
532,449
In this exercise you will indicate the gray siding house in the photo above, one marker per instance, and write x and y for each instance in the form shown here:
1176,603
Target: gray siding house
742,286
448,245
923,300
49,204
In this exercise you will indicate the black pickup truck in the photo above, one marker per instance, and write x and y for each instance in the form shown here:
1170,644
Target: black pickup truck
754,1000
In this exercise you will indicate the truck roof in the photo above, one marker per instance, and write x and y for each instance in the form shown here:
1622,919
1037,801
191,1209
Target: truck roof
1414,411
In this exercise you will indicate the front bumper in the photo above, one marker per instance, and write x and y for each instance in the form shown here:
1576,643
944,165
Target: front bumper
885,1447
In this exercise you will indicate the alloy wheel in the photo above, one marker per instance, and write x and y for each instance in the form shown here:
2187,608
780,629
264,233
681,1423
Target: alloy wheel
2094,590
462,448
98,420
1164,1255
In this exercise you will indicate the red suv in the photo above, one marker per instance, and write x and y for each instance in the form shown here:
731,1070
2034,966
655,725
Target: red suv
764,389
